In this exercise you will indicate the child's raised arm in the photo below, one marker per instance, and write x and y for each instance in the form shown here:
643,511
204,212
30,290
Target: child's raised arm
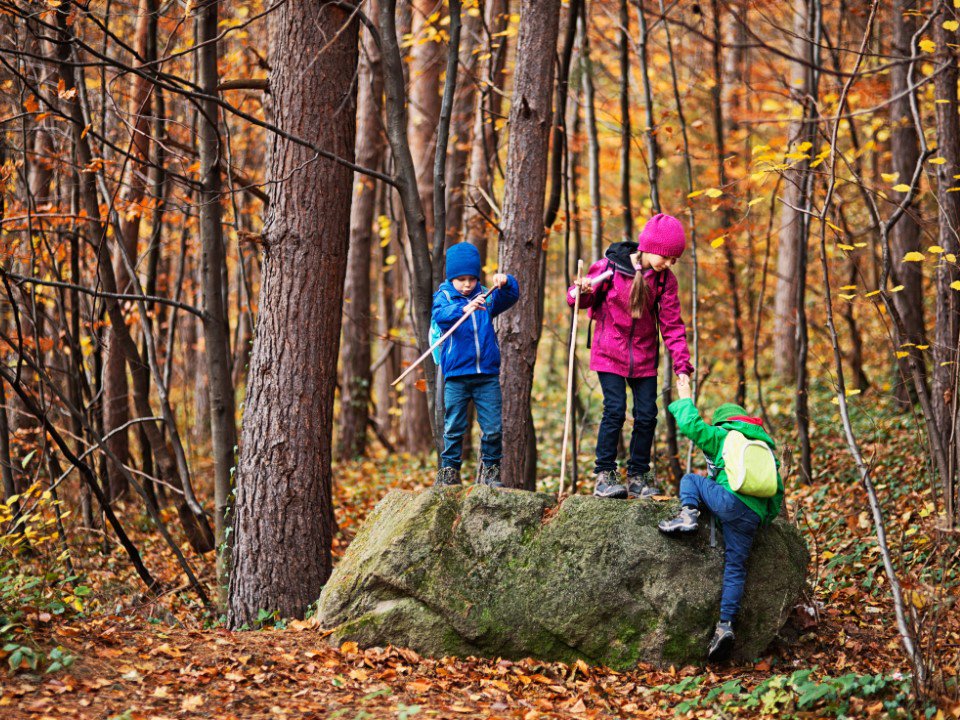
706,437
588,293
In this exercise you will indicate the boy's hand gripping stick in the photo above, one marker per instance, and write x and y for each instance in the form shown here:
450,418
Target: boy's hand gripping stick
439,341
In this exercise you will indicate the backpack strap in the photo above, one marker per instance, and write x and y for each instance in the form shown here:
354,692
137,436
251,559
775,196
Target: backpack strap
601,294
659,285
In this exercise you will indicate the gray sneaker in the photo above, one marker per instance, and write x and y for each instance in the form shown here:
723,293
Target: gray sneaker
490,475
447,476
643,486
685,522
609,486
722,643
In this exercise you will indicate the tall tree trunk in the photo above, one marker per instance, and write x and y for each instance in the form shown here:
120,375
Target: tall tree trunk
791,222
426,62
593,143
904,153
355,361
727,218
521,242
283,508
626,134
216,328
461,130
116,390
484,150
948,300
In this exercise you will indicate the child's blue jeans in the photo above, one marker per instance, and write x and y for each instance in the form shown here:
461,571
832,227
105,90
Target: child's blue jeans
484,390
739,525
615,413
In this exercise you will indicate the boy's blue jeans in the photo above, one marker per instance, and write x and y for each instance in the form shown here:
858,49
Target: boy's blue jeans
739,524
484,390
615,413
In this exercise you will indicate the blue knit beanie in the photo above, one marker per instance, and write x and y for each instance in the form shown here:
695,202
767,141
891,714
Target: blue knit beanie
463,259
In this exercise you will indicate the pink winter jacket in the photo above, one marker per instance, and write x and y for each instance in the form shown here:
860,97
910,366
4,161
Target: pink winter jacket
629,347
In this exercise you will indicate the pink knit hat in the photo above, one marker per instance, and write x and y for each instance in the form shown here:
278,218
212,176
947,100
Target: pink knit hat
663,235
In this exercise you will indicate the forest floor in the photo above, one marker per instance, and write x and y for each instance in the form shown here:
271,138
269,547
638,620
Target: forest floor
100,649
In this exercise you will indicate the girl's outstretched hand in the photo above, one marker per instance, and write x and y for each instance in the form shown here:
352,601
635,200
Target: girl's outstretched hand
683,387
585,284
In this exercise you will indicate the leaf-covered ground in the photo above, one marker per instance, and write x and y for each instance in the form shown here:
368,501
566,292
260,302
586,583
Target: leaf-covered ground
118,654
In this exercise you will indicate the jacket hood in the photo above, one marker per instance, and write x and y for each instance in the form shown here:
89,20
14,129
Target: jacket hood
619,254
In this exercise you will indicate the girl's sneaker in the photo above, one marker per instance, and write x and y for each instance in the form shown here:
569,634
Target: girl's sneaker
447,476
642,486
685,522
490,475
609,486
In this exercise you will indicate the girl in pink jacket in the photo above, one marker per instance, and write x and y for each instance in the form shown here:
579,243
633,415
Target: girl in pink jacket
630,310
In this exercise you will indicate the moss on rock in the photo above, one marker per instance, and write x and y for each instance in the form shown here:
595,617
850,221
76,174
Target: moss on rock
473,571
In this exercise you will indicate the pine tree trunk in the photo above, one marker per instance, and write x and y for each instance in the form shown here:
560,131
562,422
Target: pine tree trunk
521,243
283,514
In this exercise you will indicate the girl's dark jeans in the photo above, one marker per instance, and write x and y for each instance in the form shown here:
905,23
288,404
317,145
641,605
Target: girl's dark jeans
615,413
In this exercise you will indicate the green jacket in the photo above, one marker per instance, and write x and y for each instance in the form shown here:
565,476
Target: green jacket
710,439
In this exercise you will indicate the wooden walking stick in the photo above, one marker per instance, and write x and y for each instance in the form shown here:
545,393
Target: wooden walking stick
570,362
439,341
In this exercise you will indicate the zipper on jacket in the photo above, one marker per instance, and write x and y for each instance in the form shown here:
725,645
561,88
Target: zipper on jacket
476,338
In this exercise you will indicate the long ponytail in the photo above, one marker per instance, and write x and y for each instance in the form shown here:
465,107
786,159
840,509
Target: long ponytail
639,294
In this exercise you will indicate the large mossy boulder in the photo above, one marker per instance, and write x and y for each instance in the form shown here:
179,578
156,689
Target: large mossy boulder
474,571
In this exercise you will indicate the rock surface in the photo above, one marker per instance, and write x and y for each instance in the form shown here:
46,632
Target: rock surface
474,571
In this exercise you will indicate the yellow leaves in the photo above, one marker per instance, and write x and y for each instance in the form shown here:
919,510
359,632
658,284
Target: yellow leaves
936,249
955,285
755,201
710,193
845,247
890,177
927,45
902,188
951,25
848,287
717,242
913,256
937,161
847,297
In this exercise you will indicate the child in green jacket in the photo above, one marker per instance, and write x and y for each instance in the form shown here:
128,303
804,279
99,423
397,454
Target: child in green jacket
740,515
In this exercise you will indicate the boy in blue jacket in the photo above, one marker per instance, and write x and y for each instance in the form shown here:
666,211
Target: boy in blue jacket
470,361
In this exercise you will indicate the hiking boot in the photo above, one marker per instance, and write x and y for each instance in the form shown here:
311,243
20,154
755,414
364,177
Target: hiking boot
490,475
447,476
722,642
643,486
685,522
609,486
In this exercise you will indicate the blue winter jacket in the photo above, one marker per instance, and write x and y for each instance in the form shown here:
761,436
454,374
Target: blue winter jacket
473,348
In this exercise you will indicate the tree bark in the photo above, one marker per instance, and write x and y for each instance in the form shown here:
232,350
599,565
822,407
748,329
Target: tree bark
791,224
356,376
484,150
593,143
116,389
216,328
904,153
283,510
948,300
521,242
626,135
